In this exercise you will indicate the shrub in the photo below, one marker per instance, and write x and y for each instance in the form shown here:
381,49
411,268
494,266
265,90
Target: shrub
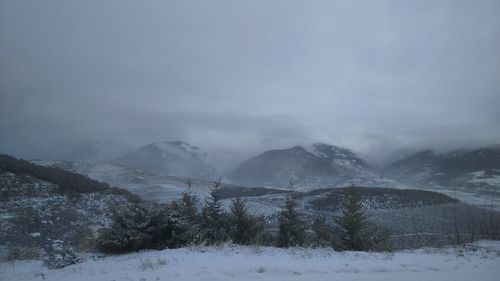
137,229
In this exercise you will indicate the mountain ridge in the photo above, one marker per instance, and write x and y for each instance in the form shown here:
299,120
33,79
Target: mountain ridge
176,158
319,163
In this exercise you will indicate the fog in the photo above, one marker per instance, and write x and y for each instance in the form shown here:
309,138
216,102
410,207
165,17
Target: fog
240,77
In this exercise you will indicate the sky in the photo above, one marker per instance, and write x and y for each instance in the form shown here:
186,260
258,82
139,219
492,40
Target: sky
241,77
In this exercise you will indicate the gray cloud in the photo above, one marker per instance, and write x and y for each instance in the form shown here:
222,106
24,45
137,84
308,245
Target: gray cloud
374,76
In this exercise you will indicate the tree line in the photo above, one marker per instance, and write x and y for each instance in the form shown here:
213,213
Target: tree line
67,182
186,222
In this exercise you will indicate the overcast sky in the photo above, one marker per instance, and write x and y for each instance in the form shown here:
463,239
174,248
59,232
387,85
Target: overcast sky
373,76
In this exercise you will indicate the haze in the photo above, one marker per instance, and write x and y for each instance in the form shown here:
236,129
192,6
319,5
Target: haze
246,76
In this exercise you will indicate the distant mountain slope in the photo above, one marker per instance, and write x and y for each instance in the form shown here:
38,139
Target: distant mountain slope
175,158
475,168
153,186
68,182
51,212
319,164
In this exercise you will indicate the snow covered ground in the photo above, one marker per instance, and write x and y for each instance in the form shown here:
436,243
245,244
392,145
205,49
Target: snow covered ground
248,263
477,199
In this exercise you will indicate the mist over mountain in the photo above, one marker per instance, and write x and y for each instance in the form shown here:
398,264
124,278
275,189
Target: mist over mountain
175,158
339,73
91,151
457,169
224,126
317,164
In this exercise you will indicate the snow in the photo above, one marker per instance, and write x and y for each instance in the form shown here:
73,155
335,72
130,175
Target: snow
480,177
477,199
248,263
178,148
314,150
6,215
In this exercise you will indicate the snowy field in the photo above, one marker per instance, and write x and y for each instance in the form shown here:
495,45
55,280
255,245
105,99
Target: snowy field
480,200
248,263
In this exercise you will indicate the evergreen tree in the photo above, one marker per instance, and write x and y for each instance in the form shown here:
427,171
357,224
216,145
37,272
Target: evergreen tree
245,228
291,229
137,229
185,213
126,232
352,223
187,207
214,220
323,232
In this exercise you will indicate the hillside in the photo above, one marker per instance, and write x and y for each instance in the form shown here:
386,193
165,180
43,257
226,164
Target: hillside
319,165
51,213
173,158
417,217
467,170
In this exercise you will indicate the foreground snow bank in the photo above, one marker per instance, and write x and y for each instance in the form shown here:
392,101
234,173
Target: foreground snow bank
246,263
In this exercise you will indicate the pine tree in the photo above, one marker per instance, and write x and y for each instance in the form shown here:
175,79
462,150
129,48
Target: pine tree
245,228
214,219
188,207
291,229
126,233
352,222
139,228
322,231
185,213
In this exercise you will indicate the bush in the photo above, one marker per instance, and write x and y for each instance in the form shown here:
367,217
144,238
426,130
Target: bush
30,252
137,229
84,239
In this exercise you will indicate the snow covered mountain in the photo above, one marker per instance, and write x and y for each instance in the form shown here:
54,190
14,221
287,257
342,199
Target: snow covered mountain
175,158
479,168
387,206
318,165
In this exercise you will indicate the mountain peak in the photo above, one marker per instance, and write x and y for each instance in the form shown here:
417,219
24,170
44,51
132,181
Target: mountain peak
459,167
316,164
175,158
331,151
177,148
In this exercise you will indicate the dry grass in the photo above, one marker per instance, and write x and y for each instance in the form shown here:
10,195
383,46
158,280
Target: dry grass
152,263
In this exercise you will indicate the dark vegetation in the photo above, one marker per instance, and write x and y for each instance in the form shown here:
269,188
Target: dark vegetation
342,222
445,167
291,227
189,221
341,218
331,198
227,192
354,231
68,182
185,222
181,223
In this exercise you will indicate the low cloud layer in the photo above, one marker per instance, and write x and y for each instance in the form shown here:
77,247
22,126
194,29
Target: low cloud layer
244,76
